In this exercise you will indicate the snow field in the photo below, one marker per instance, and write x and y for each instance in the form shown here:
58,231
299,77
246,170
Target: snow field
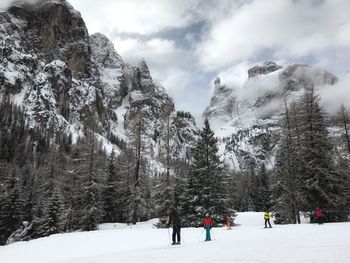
247,242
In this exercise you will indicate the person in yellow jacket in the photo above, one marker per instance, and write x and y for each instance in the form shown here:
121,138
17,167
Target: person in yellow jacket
267,218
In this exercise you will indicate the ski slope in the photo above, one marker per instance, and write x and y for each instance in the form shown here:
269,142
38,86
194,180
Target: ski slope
247,242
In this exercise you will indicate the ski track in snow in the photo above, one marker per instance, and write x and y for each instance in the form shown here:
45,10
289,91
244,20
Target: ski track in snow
247,242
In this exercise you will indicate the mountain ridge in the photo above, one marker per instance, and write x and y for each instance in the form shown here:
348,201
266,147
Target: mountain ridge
68,80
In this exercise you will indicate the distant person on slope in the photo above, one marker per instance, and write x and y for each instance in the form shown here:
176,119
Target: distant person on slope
175,221
267,218
229,221
319,216
207,224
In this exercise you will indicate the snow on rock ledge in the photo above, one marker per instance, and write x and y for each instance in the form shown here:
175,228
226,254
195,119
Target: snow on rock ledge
246,118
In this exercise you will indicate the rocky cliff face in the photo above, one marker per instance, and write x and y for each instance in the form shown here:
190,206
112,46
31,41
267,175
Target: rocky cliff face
53,29
266,68
68,80
246,118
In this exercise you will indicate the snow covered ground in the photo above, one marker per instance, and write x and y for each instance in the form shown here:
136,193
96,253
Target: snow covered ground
247,242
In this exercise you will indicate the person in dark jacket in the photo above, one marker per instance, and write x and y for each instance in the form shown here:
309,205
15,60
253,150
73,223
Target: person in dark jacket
174,220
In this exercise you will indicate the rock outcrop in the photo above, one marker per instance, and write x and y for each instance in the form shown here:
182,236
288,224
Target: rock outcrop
246,118
266,68
55,30
68,80
222,104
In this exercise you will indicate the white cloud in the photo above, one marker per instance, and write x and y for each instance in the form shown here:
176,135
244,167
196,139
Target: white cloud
292,29
169,64
150,16
174,79
233,77
333,96
343,34
156,51
135,16
4,3
236,75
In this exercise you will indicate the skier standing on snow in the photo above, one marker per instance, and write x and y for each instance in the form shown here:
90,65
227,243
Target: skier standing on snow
207,224
267,219
175,221
229,221
319,215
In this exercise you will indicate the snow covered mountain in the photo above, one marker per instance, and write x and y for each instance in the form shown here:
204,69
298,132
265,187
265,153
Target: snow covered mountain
246,118
69,80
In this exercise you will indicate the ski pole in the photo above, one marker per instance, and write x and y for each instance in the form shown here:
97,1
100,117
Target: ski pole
182,240
169,235
200,234
212,233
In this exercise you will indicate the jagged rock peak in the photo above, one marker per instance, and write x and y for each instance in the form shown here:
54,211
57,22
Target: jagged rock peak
103,51
144,77
143,67
217,81
221,90
222,104
266,68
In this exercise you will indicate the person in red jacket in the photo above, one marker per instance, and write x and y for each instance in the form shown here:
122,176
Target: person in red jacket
207,224
319,215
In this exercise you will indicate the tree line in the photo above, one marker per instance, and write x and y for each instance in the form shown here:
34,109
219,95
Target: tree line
312,168
51,185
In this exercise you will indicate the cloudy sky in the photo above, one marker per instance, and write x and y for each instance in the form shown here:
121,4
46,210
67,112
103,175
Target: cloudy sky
187,43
